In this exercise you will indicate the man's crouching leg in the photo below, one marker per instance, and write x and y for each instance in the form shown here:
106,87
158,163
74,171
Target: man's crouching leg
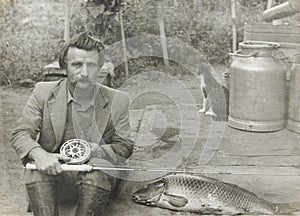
92,200
94,194
42,191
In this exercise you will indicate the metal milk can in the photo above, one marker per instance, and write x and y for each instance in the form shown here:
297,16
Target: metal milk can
294,97
257,88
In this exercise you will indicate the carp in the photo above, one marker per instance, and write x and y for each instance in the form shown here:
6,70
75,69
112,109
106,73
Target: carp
197,193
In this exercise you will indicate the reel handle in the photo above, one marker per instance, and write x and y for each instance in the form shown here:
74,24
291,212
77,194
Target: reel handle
65,167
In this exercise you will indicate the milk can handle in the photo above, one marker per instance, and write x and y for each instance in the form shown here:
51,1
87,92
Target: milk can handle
237,54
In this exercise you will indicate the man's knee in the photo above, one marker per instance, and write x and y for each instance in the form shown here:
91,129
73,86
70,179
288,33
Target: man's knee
32,176
98,179
103,179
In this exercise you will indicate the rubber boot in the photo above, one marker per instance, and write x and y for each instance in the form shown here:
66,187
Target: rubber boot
92,201
42,197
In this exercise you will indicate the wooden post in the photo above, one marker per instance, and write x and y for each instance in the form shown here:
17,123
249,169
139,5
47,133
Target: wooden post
176,3
163,39
124,45
269,4
233,17
67,21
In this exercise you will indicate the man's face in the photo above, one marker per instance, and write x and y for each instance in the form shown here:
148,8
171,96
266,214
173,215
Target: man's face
82,66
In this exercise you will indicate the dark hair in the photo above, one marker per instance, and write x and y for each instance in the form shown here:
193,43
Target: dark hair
84,40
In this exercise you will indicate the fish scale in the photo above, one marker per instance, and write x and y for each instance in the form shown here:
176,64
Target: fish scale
197,193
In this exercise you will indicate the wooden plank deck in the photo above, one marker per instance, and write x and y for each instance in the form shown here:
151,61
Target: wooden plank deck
267,164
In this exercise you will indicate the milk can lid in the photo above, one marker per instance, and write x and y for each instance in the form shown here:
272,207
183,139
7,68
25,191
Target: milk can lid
258,45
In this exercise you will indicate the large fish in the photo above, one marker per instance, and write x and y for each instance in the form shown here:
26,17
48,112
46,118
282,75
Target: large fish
196,193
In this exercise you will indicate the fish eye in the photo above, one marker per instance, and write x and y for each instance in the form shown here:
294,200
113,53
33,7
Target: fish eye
160,185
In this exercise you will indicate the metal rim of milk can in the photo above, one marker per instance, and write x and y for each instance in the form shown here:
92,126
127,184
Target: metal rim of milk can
259,45
254,48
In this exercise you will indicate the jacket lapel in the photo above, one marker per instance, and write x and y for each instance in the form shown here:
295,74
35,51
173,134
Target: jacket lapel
102,115
58,111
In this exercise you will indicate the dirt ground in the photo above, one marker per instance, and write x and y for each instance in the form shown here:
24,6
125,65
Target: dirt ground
12,192
265,163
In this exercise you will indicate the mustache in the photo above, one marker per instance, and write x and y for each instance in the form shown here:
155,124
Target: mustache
84,80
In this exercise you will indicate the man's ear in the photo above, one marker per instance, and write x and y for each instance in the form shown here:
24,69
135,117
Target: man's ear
101,60
65,64
63,59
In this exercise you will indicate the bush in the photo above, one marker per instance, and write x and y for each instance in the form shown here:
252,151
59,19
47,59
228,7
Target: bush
205,24
30,36
32,30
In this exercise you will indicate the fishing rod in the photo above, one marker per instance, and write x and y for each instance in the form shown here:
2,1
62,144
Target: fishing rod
89,168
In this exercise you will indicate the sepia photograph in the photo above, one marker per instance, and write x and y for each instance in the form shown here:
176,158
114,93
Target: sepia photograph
149,107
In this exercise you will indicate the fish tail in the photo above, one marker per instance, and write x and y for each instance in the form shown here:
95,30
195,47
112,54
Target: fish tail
288,208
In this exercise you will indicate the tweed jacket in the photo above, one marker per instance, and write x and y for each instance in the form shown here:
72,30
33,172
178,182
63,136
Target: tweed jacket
44,118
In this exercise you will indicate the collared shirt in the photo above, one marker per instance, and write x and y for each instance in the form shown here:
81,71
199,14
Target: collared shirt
80,121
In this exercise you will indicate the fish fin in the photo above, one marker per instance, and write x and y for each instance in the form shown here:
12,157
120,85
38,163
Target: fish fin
176,201
211,211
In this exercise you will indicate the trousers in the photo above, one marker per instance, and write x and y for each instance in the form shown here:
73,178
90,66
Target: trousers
68,183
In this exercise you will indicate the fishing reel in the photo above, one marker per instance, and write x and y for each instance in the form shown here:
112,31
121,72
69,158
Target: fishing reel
78,150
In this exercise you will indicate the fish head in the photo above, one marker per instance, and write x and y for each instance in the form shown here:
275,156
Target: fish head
150,193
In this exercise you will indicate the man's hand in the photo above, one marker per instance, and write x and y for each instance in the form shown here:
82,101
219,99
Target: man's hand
47,162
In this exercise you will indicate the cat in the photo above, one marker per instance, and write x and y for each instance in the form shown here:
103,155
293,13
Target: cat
215,96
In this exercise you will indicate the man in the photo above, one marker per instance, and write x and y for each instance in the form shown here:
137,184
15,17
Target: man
76,107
